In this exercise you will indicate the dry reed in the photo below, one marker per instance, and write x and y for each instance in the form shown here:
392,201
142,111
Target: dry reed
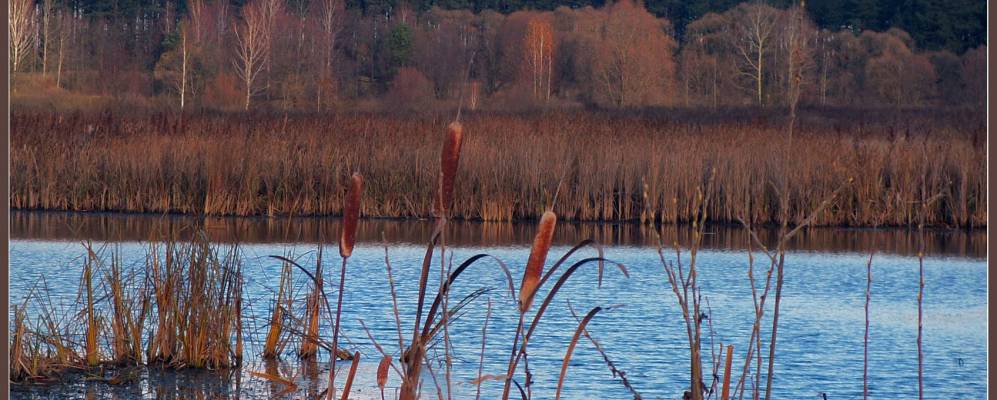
273,344
266,165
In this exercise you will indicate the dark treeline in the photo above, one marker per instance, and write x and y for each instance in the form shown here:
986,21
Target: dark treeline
326,54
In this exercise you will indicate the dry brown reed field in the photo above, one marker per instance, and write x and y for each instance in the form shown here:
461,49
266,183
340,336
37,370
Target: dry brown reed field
639,166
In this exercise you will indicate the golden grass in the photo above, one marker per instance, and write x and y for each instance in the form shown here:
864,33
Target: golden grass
615,166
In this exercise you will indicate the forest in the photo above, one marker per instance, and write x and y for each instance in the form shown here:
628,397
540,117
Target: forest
331,55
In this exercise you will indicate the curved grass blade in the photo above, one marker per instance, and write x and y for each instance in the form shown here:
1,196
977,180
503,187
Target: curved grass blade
453,276
571,346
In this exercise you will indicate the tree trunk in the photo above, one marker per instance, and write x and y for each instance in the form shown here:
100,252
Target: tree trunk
758,76
58,73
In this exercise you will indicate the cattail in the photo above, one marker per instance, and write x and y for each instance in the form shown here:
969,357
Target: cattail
351,215
449,159
535,264
382,372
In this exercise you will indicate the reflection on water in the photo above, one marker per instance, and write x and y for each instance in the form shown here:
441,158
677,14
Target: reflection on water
103,227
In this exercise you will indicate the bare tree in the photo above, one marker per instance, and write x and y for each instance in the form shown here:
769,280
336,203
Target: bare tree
751,31
196,20
539,56
331,11
704,56
272,10
21,28
47,9
251,47
66,26
174,67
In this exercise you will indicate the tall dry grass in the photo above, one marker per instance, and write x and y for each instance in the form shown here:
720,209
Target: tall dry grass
616,166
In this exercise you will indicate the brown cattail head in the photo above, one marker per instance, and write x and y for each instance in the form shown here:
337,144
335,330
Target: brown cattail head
535,264
382,372
449,159
351,216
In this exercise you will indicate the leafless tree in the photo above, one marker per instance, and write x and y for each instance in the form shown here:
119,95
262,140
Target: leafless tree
47,9
196,20
331,12
21,28
175,66
66,27
251,47
751,33
539,56
272,10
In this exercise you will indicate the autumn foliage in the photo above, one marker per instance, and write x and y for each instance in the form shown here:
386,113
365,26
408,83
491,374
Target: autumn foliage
323,56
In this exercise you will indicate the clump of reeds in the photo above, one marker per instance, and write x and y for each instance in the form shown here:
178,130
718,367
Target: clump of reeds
92,351
275,340
198,295
129,312
309,343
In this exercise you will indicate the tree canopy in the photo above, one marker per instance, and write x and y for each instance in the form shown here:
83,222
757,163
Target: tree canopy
955,25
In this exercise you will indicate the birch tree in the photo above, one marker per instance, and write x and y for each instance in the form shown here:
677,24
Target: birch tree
175,66
272,11
539,56
753,25
330,14
21,30
47,10
251,48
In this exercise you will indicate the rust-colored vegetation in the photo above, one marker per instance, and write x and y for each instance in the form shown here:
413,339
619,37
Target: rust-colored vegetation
616,166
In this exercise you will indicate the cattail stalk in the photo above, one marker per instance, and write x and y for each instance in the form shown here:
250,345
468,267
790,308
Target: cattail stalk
528,287
347,239
91,338
449,161
349,378
865,343
725,392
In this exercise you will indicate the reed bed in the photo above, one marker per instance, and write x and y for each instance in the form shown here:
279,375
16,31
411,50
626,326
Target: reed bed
615,166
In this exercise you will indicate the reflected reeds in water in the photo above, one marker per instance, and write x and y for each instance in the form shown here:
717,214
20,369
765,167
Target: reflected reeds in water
109,227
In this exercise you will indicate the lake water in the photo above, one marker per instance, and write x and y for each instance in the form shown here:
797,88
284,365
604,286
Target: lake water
820,338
